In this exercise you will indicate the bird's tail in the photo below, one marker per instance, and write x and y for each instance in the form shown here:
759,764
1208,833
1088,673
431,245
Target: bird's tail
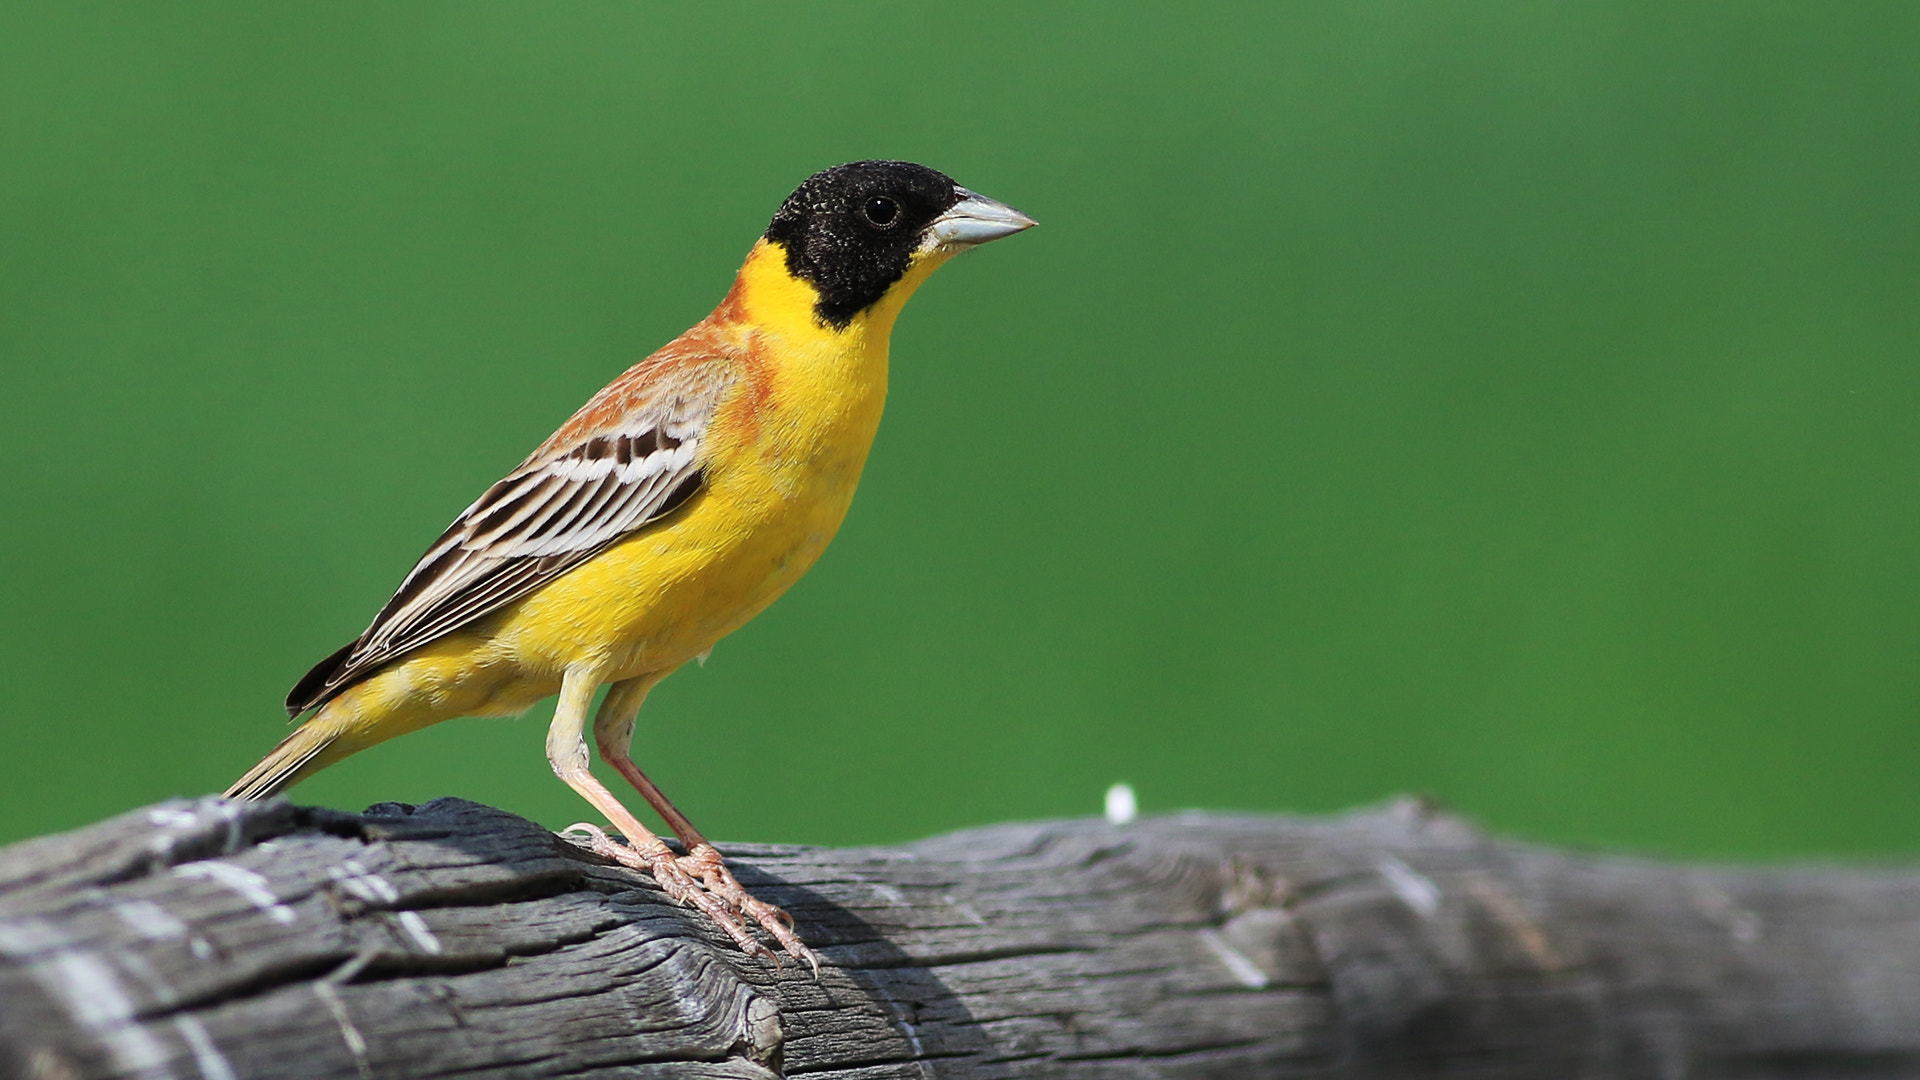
312,746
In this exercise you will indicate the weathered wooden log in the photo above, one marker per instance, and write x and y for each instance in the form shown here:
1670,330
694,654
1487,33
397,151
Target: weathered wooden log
222,940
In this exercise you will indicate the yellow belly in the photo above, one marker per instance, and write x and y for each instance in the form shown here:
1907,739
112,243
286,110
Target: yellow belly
781,465
664,595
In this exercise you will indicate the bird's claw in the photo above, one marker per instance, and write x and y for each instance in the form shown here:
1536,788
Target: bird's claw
705,864
700,879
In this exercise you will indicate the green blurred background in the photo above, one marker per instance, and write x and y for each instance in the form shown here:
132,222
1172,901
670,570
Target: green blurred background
1509,401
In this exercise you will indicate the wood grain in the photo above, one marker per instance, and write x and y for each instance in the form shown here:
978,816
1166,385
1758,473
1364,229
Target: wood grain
226,941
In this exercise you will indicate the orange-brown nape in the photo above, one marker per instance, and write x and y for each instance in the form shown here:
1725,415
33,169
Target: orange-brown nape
678,503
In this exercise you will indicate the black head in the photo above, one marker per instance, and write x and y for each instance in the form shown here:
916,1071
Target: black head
852,230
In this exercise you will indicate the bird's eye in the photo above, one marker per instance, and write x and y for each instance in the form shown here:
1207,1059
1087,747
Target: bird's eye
881,211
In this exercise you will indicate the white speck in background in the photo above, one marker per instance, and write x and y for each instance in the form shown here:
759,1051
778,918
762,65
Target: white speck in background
1122,807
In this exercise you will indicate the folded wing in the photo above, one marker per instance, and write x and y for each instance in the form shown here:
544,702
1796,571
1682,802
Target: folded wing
566,503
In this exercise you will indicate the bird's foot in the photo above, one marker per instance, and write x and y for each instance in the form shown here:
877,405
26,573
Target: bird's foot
680,886
704,863
701,880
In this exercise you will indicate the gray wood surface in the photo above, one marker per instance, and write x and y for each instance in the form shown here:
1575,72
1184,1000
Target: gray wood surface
224,940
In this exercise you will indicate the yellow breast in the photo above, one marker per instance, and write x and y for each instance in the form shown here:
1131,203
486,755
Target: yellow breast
781,461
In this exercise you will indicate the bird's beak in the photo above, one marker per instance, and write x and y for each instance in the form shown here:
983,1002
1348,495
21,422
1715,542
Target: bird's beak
976,219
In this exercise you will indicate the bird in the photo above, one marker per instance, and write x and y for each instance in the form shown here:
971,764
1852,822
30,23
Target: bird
674,506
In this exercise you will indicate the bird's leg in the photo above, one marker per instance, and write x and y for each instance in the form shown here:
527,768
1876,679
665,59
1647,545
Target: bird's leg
567,752
613,730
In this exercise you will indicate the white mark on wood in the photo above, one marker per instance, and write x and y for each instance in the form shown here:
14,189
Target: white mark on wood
238,879
1122,806
136,965
364,884
167,817
894,897
91,993
230,811
177,821
1414,889
213,1065
965,909
349,1034
200,948
702,656
908,1027
1744,925
417,929
150,920
28,938
1508,913
1237,963
172,820
96,1000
